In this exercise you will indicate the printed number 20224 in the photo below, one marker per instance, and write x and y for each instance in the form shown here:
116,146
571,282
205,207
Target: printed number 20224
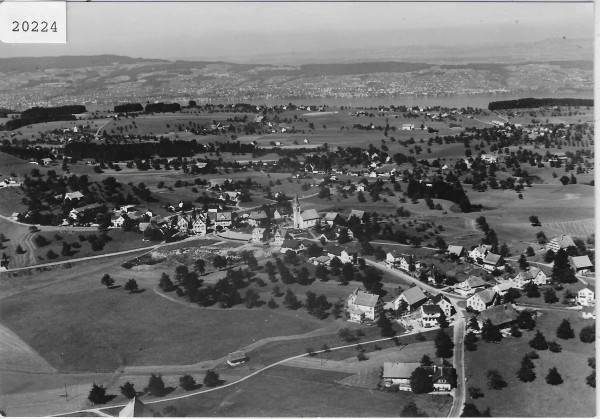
33,26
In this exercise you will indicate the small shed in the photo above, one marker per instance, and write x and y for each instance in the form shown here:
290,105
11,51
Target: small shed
236,358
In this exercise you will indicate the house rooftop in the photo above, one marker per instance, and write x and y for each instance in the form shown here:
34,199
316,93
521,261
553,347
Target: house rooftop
431,309
564,241
414,295
581,262
498,315
309,214
399,369
487,296
367,299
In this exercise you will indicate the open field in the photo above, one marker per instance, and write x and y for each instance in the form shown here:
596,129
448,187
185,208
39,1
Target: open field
114,328
305,394
573,398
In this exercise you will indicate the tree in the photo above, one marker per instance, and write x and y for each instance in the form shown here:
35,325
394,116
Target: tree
211,379
181,271
444,345
554,347
588,334
165,282
66,249
290,300
565,331
590,380
420,381
443,321
530,252
475,392
553,378
549,256
187,382
97,394
562,270
470,341
473,323
387,328
107,281
526,374
252,298
410,410
19,250
531,290
495,380
511,295
539,342
346,334
515,332
321,272
200,266
219,262
131,285
525,320
523,264
128,390
470,411
534,220
490,332
156,386
50,254
348,272
426,361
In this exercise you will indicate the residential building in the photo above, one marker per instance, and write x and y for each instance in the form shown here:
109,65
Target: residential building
444,303
502,315
236,358
430,315
532,274
560,242
414,297
258,234
480,251
136,409
398,373
472,284
332,218
457,251
363,305
492,261
482,300
588,312
581,264
586,296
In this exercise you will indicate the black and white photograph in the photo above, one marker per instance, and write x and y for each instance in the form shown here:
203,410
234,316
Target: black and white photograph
297,209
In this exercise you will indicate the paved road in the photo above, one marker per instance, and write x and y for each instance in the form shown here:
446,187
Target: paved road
459,363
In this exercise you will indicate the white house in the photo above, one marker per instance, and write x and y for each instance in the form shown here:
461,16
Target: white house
586,296
363,305
493,261
73,196
198,225
442,301
430,315
588,312
480,251
258,234
482,300
532,274
408,127
502,315
471,284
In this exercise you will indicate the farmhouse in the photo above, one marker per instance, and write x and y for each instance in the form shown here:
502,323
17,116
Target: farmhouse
472,284
198,224
533,274
482,300
560,242
398,373
414,297
493,261
457,251
393,257
236,358
222,219
77,213
430,315
332,218
279,236
361,215
588,313
408,127
586,296
501,316
363,305
581,264
342,254
503,287
73,196
257,218
293,245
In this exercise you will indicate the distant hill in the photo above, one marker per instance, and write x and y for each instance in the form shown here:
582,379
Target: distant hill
27,64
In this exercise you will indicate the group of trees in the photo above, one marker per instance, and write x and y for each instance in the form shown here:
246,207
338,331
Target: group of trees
155,387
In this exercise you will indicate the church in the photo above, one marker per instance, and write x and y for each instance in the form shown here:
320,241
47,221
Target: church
304,219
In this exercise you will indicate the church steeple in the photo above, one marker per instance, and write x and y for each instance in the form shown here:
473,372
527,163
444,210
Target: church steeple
296,210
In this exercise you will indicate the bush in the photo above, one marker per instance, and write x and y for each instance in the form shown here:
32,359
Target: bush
554,347
50,254
495,380
588,334
41,241
475,393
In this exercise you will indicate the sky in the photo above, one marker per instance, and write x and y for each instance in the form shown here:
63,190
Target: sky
238,30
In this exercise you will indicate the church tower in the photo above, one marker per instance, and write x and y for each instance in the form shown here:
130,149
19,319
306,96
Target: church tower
296,209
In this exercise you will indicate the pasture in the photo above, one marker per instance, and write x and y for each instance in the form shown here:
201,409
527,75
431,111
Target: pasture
536,398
